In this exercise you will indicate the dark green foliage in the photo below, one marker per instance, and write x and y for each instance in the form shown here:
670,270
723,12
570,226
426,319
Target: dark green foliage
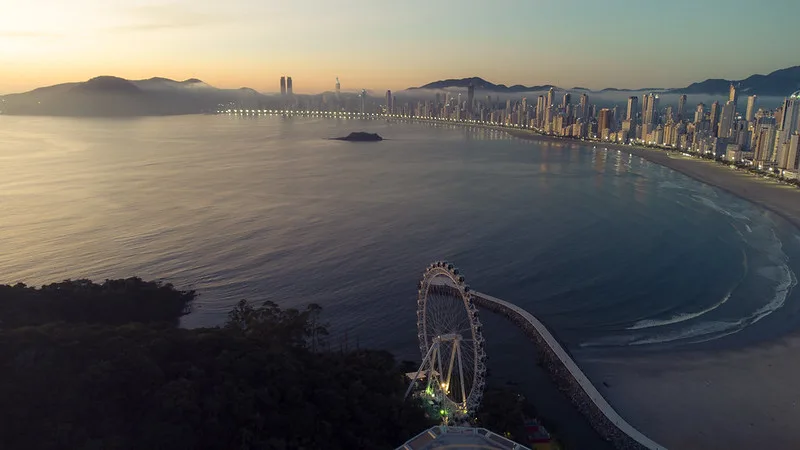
253,384
113,302
503,411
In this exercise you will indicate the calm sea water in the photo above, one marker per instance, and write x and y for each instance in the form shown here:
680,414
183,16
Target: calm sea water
612,252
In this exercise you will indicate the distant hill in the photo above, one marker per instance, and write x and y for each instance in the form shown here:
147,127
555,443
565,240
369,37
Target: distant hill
482,85
779,83
113,96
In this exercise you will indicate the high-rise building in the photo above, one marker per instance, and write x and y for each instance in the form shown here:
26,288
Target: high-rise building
389,105
790,120
550,97
726,120
540,111
681,106
604,120
283,85
633,103
764,143
699,113
645,106
668,115
363,98
651,113
733,96
751,108
470,98
714,117
289,85
584,106
566,100
338,87
793,152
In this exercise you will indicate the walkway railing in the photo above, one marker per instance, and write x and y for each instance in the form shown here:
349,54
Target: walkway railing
571,378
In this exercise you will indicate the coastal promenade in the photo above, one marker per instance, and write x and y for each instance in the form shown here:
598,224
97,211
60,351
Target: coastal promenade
571,379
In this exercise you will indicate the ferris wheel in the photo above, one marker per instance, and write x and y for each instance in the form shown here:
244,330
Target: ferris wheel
450,341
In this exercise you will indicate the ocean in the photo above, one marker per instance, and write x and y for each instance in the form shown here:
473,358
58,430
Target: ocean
610,251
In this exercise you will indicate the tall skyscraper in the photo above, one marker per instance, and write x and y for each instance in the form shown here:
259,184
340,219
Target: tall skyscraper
751,108
726,120
338,87
793,152
645,106
566,100
604,120
733,96
633,103
540,111
764,143
714,117
289,85
470,99
651,113
550,97
283,85
681,106
389,105
363,101
584,106
790,121
699,113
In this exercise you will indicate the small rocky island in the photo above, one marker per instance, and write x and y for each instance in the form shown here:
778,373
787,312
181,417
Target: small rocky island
360,136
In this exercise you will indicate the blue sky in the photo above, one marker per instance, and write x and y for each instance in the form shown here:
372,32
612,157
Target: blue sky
379,44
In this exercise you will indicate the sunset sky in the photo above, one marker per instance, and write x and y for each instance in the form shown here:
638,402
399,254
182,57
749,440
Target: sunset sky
377,44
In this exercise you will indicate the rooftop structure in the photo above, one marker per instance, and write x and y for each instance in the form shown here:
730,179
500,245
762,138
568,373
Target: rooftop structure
456,438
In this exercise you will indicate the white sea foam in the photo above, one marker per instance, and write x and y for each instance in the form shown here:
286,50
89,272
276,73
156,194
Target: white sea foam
670,185
764,240
710,203
678,318
700,329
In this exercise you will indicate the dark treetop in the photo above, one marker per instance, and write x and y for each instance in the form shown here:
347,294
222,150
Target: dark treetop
266,380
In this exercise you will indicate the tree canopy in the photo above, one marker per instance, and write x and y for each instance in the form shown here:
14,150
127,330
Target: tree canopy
112,302
93,380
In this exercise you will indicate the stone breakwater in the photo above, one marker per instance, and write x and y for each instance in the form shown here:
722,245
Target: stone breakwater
570,379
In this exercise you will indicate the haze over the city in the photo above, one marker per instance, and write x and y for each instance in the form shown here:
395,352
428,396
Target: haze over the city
377,45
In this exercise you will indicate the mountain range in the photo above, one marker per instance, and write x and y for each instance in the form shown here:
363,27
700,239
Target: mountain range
779,83
113,96
108,96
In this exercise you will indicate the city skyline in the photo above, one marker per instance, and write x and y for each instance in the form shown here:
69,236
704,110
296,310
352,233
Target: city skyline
248,43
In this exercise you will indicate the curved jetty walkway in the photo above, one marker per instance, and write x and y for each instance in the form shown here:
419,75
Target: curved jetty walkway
571,379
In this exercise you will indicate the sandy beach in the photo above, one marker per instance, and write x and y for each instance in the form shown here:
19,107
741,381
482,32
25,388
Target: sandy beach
743,398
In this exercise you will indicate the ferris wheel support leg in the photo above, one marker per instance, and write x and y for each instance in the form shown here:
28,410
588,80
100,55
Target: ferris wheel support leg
416,375
441,368
461,374
450,369
432,364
